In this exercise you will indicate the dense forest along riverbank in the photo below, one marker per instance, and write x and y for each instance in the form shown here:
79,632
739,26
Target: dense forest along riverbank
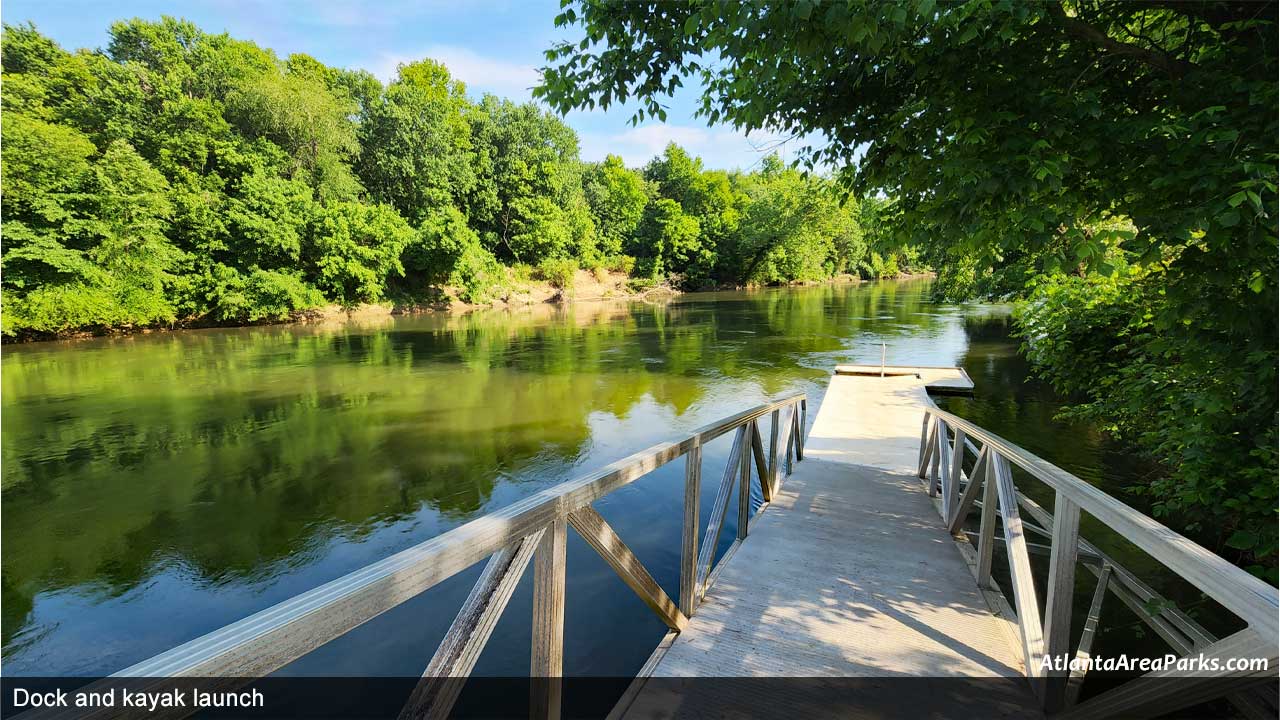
158,487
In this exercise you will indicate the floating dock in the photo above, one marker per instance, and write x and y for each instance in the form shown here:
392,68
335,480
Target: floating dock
851,572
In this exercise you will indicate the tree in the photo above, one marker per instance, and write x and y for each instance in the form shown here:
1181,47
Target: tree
668,241
416,142
354,248
617,198
789,228
1006,129
530,183
313,126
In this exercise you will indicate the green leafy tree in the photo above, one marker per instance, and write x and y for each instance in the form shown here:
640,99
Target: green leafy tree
789,228
617,198
353,249
531,183
668,239
313,126
416,142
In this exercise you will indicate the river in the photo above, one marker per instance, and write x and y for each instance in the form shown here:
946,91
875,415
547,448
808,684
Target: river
157,487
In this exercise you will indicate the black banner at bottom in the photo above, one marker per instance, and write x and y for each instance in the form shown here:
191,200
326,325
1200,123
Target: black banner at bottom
340,698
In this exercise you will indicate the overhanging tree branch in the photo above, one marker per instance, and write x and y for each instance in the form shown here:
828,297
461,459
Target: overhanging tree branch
1076,27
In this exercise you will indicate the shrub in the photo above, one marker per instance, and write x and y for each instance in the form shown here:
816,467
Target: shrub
479,276
64,307
622,263
884,267
559,272
601,273
640,284
354,248
522,272
260,295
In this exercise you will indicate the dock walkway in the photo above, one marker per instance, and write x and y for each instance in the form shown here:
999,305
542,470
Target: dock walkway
851,572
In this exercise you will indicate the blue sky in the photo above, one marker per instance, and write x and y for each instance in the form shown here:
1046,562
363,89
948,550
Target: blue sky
492,45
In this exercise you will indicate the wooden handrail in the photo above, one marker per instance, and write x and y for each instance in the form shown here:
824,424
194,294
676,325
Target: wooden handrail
531,529
1249,598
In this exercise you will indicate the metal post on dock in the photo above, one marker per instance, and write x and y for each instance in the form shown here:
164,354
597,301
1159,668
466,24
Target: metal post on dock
883,348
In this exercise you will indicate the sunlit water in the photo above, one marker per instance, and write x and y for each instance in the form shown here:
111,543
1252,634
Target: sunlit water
158,487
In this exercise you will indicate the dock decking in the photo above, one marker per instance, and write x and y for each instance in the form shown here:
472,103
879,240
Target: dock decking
851,571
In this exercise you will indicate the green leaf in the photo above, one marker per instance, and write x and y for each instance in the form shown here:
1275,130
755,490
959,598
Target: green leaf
1242,540
1257,282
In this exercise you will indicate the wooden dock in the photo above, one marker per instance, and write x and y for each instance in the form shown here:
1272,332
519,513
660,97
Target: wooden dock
851,572
856,572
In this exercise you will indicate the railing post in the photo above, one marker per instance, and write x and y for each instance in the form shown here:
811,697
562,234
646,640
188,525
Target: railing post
773,448
706,554
987,528
935,454
924,442
800,422
1057,609
929,445
942,468
689,539
957,464
791,439
744,480
546,665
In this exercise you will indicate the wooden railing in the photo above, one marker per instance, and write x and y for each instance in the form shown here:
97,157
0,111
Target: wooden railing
532,530
944,441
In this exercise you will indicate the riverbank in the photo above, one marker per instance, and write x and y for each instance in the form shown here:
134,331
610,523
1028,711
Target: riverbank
588,288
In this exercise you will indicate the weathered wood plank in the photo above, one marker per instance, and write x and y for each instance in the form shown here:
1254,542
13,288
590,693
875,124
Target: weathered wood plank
774,429
802,413
762,469
987,527
942,465
605,541
546,661
457,654
1060,590
791,442
1075,679
924,444
961,511
689,533
744,482
719,507
1024,587
930,447
952,497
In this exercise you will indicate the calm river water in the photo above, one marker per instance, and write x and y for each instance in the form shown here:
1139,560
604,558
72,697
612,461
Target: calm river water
158,487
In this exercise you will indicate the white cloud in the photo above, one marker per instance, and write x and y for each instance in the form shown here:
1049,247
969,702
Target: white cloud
481,73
